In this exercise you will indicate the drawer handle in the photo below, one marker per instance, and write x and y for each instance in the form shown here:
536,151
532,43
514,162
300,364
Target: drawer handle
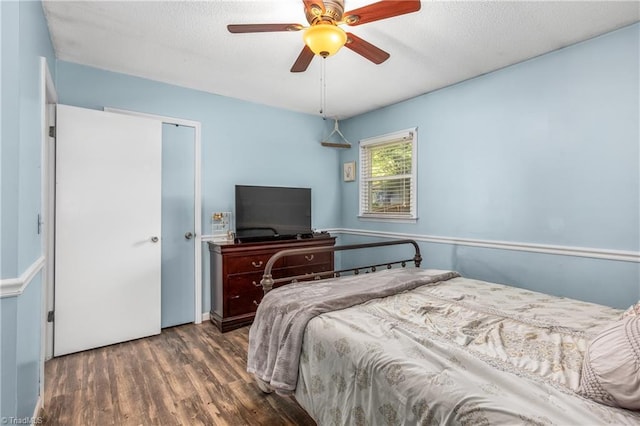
256,303
309,257
235,297
257,264
256,284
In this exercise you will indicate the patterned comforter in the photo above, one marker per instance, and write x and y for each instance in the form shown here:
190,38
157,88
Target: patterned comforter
459,352
275,338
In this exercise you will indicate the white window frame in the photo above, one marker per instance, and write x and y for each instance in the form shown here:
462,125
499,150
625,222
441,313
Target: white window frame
388,138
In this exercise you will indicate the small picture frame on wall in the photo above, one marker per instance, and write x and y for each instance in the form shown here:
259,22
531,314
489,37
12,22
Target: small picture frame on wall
349,171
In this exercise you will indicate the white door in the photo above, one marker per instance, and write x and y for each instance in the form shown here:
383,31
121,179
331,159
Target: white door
108,224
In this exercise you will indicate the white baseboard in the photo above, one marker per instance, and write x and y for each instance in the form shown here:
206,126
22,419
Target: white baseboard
36,419
205,316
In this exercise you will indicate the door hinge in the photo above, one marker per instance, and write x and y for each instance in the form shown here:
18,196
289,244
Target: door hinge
52,131
50,316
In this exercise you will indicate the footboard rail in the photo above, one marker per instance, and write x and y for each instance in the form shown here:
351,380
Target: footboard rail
268,281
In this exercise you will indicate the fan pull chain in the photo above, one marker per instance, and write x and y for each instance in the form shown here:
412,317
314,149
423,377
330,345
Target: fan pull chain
323,89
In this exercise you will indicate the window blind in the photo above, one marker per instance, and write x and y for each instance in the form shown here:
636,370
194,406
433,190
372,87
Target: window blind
387,180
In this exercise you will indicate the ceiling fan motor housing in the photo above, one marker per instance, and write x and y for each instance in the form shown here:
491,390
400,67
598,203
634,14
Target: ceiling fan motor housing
333,10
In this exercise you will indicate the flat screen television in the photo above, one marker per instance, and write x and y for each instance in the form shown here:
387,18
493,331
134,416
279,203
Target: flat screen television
272,213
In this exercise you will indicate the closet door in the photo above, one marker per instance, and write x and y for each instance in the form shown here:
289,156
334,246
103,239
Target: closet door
178,225
108,224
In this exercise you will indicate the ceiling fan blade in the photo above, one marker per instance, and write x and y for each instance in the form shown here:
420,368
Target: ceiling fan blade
304,59
262,28
366,49
381,10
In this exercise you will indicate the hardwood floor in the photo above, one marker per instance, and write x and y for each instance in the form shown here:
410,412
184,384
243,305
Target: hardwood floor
188,375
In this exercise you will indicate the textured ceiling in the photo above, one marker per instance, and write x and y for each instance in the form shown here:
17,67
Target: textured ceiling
186,43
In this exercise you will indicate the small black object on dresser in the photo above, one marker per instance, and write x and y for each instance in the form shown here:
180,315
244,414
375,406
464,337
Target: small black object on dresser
237,268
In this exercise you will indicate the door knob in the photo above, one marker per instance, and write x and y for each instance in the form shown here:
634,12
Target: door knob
154,239
188,235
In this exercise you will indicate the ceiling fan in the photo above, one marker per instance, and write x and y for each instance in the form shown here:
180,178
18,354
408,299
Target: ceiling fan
324,37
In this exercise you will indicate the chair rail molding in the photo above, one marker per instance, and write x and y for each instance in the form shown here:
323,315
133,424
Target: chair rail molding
595,253
11,287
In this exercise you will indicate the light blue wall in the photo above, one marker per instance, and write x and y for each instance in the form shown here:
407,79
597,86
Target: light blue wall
20,322
242,142
10,137
28,347
545,151
8,354
34,43
24,38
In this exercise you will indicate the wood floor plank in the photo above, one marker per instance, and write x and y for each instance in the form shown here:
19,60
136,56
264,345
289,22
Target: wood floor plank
187,375
156,374
104,403
88,414
126,385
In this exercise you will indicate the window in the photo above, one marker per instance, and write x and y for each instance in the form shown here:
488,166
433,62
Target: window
388,176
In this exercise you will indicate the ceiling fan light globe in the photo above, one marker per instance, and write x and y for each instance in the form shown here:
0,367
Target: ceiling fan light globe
324,39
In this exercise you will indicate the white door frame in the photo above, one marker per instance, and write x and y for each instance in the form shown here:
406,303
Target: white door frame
197,241
48,99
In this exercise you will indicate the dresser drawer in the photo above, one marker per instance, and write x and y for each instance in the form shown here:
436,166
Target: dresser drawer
309,270
252,263
308,259
237,283
241,304
240,293
242,283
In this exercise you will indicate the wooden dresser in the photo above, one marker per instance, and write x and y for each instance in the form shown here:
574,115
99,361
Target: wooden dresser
236,271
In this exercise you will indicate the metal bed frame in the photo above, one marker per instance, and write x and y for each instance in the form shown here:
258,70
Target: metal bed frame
268,281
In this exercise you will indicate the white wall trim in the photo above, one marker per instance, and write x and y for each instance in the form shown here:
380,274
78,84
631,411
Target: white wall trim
197,194
595,253
48,100
205,316
11,287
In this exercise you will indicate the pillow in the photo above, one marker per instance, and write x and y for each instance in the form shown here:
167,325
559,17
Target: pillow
611,366
633,310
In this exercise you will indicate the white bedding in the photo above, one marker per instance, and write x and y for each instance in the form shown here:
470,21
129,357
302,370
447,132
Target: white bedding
461,352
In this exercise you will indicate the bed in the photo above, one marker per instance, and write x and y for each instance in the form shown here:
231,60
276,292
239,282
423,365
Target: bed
422,346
